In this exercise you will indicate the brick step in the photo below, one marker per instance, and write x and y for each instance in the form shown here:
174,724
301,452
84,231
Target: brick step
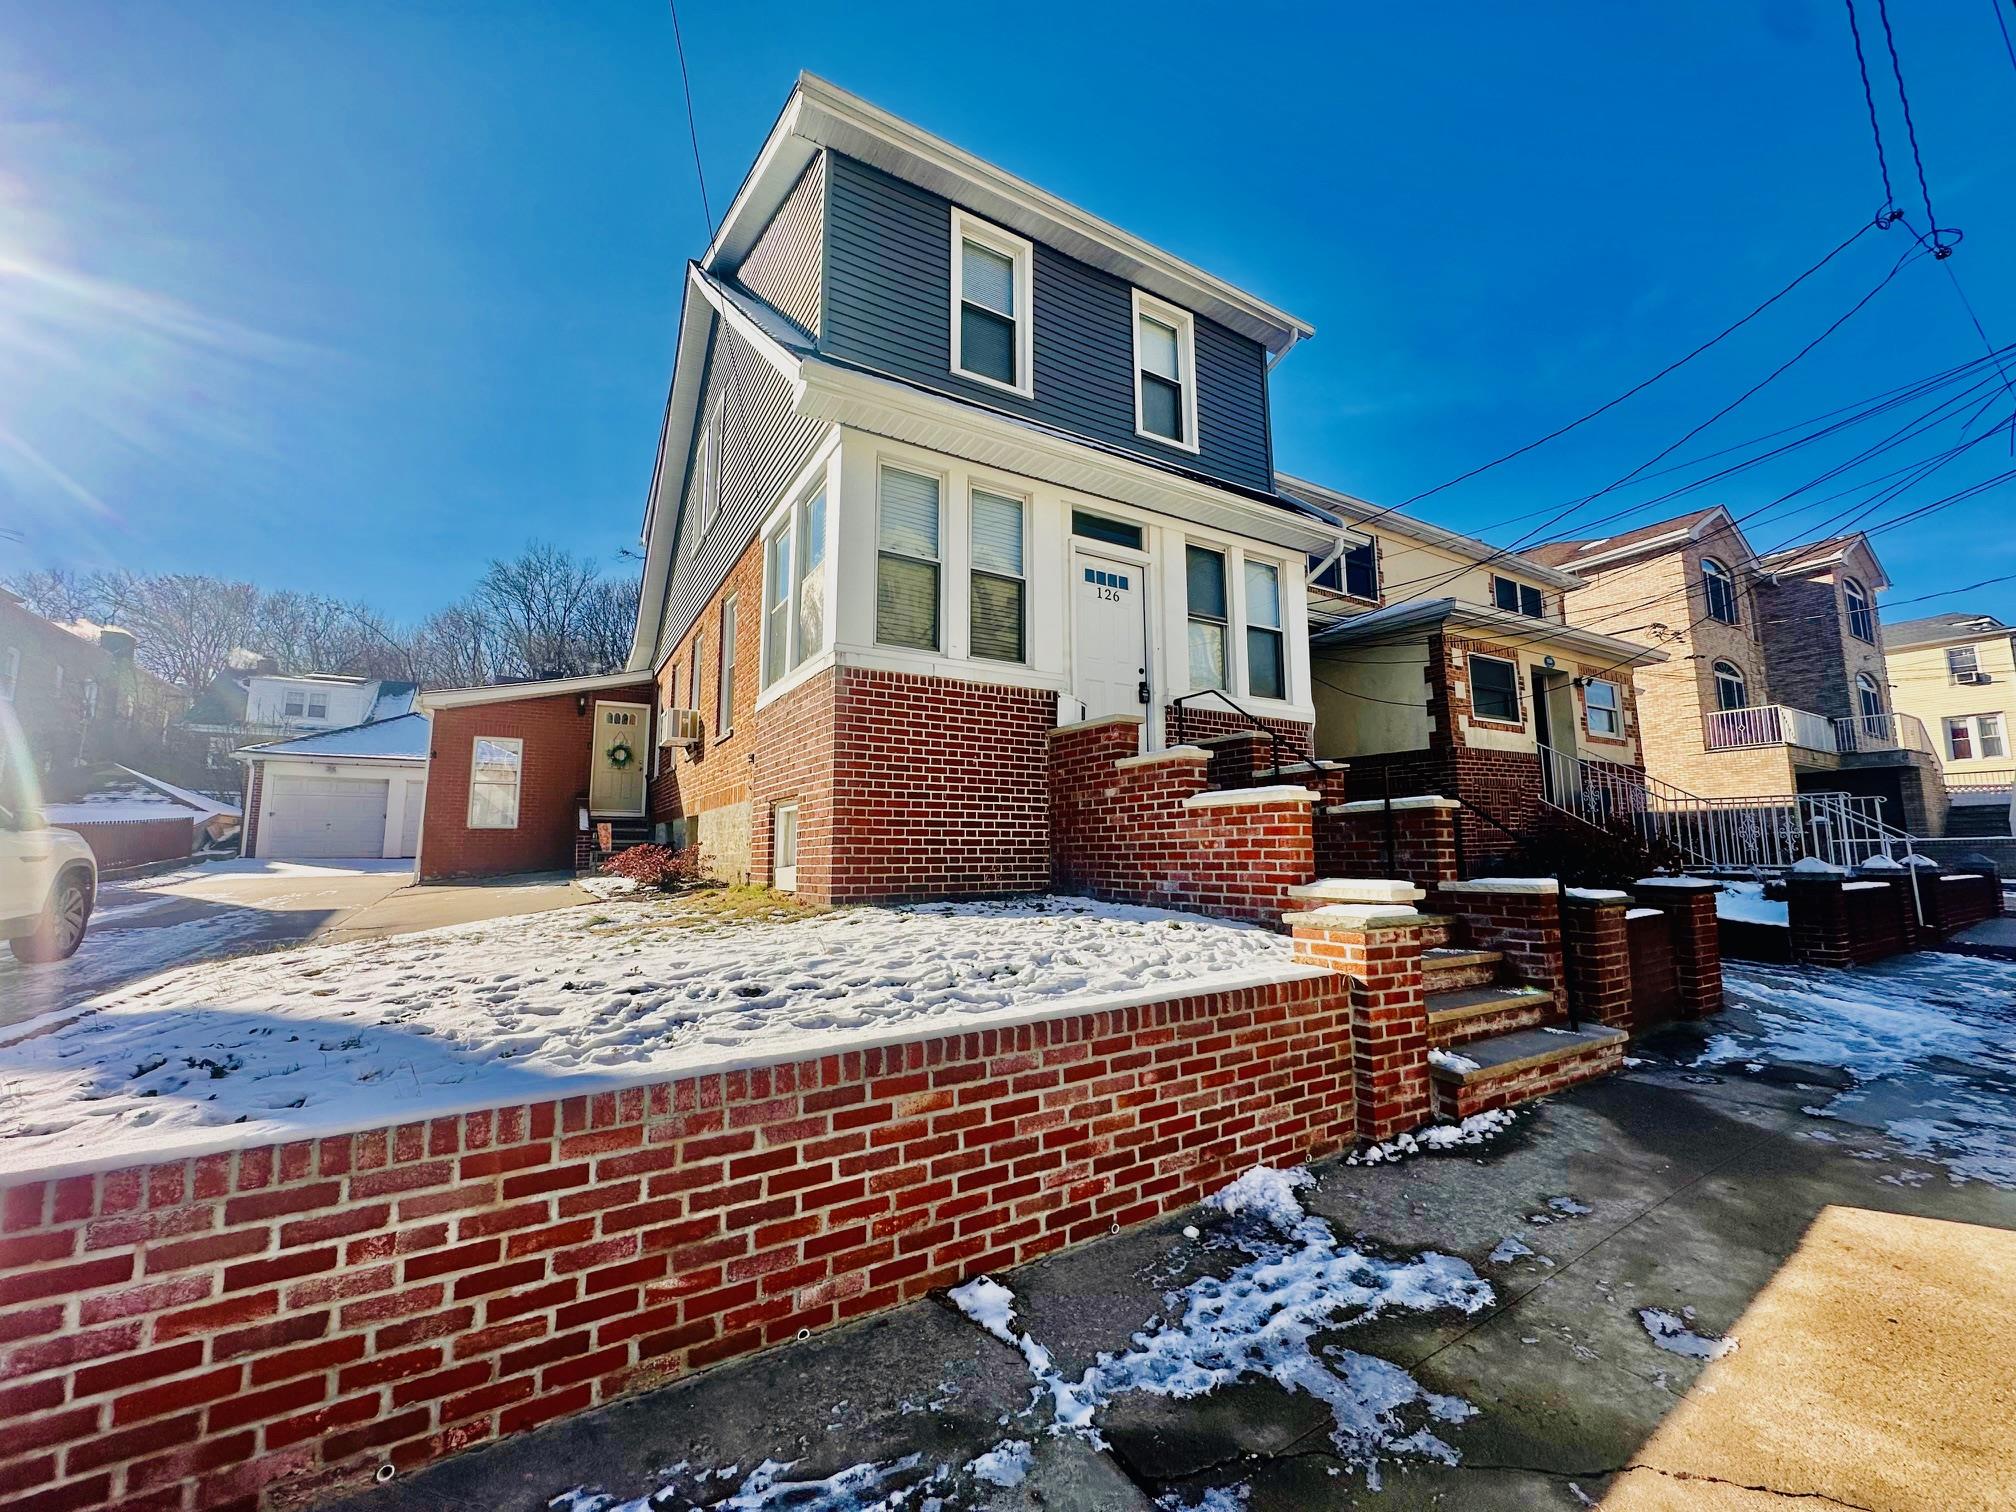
1450,968
1475,1013
1509,1069
1437,931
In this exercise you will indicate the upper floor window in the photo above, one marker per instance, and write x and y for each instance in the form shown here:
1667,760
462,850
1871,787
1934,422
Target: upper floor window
1266,664
1600,699
707,469
1868,695
907,561
1975,735
1494,689
1861,611
991,304
1204,573
318,705
1732,688
1165,368
1355,573
794,589
296,703
1963,663
1518,598
10,672
997,595
90,692
1720,585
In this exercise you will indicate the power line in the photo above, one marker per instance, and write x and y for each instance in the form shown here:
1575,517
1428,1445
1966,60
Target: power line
2003,27
1888,212
1939,249
692,128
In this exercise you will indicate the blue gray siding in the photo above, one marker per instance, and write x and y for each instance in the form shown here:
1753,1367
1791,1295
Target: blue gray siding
784,267
888,292
765,446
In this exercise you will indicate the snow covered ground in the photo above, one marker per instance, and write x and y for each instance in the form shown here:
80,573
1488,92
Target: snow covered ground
1929,1037
1744,902
329,1037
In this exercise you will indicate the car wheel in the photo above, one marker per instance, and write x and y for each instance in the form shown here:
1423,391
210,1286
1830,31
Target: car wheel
61,931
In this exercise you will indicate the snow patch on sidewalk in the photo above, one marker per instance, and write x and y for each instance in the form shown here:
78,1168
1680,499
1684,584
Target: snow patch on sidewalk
1670,1331
1477,1129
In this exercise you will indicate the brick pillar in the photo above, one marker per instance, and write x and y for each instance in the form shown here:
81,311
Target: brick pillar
1689,906
1520,916
1378,948
1883,869
1818,913
1598,945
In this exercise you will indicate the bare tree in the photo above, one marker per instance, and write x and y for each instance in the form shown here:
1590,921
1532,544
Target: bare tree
608,621
535,602
188,624
455,648
58,594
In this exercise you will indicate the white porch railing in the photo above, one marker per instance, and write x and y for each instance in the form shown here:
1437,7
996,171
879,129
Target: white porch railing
1979,786
1882,732
1771,833
1768,725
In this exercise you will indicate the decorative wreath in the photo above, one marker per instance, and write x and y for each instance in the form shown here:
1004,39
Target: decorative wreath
620,755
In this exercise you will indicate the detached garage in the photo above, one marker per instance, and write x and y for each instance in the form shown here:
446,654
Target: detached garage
353,793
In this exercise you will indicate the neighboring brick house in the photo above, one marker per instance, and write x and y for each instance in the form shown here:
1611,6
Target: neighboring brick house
1442,666
947,464
1774,683
80,700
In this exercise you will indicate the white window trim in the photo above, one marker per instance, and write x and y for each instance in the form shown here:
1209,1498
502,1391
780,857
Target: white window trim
1714,569
977,484
1971,723
728,631
1186,360
1615,710
1470,661
517,782
1233,621
785,878
1244,622
1022,253
790,516
899,464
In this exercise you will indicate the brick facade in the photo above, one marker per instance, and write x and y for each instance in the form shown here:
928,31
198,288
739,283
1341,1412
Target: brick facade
266,1327
553,783
1150,828
1379,950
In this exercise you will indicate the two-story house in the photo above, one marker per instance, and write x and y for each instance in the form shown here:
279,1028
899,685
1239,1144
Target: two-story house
1444,666
1774,684
947,463
1956,673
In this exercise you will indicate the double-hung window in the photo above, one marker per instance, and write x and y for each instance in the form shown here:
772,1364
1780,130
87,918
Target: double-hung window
992,276
1355,573
318,705
707,469
1976,735
999,596
1204,572
907,560
1962,662
1165,373
1518,598
1494,689
90,692
1600,699
1266,662
495,768
295,704
699,659
794,590
724,674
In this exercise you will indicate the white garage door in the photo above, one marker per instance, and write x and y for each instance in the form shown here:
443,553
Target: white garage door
324,816
409,831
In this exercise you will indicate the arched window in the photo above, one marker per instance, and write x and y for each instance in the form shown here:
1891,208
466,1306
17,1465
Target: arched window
1861,612
1720,584
1869,694
1732,688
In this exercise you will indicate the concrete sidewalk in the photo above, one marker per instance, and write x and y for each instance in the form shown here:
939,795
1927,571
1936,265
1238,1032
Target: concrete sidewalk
1710,1197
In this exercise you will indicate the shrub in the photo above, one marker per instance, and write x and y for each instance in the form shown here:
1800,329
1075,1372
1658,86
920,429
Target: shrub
658,866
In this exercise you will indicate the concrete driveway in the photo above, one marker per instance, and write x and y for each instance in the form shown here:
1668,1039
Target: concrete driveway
1709,1288
150,924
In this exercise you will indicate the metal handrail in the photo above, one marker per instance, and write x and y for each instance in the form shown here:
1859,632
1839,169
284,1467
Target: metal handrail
1179,705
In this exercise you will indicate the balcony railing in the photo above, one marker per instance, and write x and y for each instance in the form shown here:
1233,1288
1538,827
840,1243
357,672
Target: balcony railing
1882,732
1769,725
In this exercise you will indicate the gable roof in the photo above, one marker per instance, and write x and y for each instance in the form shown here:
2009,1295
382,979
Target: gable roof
401,739
1817,555
1576,555
1934,628
1352,510
818,114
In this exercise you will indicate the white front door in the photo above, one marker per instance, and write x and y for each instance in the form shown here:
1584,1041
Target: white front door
1109,612
616,765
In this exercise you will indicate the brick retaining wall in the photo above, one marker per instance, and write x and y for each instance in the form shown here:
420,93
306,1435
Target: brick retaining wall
264,1327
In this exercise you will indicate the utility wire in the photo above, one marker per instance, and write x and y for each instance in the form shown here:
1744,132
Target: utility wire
692,127
1888,212
2003,27
1939,249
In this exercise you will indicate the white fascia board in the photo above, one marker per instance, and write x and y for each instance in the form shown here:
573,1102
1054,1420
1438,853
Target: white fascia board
902,412
1355,511
1638,548
820,114
460,698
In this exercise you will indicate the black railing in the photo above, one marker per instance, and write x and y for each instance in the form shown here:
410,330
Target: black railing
1179,727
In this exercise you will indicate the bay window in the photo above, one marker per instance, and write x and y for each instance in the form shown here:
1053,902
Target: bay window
907,560
1266,662
1205,575
998,596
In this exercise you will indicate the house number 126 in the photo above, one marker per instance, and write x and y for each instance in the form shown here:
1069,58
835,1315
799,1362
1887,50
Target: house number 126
1111,595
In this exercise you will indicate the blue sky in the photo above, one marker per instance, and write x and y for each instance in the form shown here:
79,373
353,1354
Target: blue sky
349,296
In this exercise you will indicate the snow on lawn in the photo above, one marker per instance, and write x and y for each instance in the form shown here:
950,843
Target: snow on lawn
360,1034
1262,1320
1929,1037
1745,903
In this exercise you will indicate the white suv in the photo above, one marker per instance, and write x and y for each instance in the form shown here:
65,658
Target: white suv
48,882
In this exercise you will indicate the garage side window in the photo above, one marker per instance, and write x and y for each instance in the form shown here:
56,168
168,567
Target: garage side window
494,773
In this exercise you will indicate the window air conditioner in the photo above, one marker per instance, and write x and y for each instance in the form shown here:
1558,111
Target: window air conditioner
1975,679
679,727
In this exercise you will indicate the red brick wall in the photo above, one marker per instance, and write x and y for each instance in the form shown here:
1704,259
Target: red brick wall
255,787
1424,845
1124,832
1389,1016
1525,926
553,783
137,844
793,763
1199,723
721,770
1655,980
1596,946
266,1327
